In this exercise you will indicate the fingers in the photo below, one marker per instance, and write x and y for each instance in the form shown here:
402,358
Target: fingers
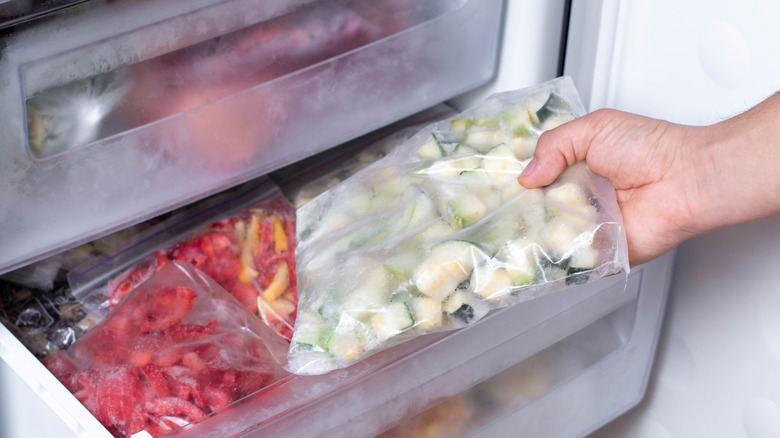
560,147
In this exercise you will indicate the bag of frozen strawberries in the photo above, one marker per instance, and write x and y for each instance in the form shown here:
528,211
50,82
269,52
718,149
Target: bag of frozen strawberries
174,349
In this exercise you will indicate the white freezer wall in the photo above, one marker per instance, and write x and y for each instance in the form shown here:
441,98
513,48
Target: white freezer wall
697,62
529,48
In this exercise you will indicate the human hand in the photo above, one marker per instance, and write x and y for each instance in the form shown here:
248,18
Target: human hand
648,161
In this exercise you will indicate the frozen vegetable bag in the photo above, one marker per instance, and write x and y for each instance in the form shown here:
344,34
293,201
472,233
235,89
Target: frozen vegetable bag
173,350
439,232
248,251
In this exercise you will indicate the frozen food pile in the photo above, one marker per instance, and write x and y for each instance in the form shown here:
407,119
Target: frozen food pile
175,349
439,232
250,253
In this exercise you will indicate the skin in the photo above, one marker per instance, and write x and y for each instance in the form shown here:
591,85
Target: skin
672,181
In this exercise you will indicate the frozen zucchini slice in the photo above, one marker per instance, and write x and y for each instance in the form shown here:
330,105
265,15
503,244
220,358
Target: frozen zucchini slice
401,266
431,149
309,331
448,264
569,194
554,108
419,211
427,312
461,124
464,307
520,261
491,282
581,263
345,346
464,210
482,140
394,319
519,121
502,165
365,301
471,159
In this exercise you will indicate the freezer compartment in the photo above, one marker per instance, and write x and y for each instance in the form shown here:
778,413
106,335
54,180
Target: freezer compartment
570,388
114,113
16,11
595,340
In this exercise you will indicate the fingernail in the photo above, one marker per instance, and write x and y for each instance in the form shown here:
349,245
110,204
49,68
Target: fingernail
529,169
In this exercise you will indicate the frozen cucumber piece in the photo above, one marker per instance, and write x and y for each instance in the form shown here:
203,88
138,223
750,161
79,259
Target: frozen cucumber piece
461,124
520,261
569,194
464,307
523,147
345,346
309,333
436,231
431,149
486,122
561,236
476,180
519,121
427,312
581,263
502,165
419,211
395,318
554,108
365,301
482,140
554,122
491,282
448,264
401,266
465,210
472,160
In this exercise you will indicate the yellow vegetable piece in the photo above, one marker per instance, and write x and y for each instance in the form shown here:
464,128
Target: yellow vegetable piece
247,274
280,238
279,284
248,243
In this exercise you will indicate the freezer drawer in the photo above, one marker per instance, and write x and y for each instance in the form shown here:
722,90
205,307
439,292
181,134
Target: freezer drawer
114,112
585,351
570,388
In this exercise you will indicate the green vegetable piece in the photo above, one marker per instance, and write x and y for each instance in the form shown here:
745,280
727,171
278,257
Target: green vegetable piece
461,124
431,149
518,121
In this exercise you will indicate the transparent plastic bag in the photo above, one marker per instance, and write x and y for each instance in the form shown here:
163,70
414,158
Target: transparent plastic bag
305,180
439,232
173,350
249,252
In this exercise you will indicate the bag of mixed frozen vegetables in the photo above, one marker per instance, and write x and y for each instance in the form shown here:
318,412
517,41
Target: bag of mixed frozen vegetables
173,350
250,253
439,232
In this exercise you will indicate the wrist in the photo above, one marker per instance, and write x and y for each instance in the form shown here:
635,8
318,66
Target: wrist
732,178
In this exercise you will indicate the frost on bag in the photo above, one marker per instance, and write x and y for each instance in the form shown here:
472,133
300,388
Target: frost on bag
173,350
439,232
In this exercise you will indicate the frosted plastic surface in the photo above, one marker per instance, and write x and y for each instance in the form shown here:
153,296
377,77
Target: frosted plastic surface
65,197
439,232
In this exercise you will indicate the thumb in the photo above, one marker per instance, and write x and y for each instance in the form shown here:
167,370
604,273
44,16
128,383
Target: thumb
563,146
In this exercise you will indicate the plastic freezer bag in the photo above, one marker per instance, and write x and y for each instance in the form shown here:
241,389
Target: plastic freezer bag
249,252
175,349
439,232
